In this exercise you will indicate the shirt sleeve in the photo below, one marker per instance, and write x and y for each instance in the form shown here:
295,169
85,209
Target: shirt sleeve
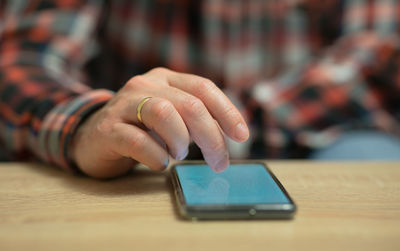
353,84
44,45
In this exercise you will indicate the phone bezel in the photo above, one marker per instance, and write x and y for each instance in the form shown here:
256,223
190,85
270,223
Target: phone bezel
245,211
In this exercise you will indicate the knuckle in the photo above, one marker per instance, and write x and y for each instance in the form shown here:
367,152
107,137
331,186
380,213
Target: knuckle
202,86
158,70
135,82
193,106
217,146
162,110
231,112
136,141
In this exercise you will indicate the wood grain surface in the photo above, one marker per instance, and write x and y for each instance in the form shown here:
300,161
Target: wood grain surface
341,206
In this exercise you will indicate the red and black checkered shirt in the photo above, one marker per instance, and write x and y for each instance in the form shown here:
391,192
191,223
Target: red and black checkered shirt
301,71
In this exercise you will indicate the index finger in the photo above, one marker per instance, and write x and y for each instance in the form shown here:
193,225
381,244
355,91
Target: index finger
216,102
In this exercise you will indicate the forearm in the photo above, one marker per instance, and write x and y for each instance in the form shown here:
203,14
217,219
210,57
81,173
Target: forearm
39,89
38,115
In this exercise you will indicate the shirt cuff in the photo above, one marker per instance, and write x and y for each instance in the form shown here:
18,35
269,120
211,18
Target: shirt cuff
62,121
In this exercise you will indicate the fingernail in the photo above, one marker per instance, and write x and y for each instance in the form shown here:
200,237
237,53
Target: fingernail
166,162
241,132
221,165
182,155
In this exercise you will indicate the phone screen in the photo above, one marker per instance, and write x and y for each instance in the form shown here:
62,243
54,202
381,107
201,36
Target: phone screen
240,184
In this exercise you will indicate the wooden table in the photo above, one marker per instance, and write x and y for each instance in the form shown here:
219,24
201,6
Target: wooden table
341,206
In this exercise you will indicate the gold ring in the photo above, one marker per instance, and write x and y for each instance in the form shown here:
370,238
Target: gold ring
139,108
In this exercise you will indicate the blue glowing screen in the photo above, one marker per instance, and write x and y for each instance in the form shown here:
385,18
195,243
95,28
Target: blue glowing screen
240,184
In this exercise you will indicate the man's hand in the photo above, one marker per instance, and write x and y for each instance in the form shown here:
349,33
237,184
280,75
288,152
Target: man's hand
183,107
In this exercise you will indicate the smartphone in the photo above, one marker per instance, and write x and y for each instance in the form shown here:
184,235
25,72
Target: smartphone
243,191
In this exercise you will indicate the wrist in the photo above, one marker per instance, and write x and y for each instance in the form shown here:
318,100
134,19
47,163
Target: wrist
75,130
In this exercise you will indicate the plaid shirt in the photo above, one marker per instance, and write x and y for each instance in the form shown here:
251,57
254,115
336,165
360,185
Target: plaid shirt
301,72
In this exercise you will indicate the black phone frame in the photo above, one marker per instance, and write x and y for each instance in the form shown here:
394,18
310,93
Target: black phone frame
226,212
